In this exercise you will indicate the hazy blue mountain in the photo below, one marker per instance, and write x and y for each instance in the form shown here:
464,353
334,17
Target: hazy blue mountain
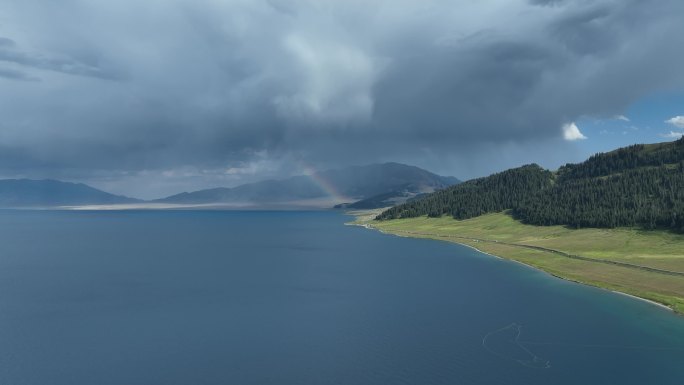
50,193
354,183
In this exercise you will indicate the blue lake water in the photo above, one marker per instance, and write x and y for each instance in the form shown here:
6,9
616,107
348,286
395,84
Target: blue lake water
128,298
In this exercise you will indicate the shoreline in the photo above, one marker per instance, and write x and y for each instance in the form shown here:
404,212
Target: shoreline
654,303
646,300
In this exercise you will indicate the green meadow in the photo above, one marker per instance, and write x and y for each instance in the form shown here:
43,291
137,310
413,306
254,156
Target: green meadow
647,264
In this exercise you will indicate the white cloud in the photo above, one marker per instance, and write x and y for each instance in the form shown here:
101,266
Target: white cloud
571,132
335,81
621,117
673,135
677,121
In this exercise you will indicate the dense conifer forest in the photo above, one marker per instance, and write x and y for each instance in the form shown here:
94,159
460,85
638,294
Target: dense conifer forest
636,186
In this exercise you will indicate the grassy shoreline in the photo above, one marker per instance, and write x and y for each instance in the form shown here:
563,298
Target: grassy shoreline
645,264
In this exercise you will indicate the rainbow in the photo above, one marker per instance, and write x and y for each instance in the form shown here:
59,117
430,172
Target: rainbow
323,183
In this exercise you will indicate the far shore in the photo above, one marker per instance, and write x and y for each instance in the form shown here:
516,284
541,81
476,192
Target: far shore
304,204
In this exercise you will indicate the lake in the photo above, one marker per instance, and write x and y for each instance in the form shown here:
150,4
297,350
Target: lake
221,297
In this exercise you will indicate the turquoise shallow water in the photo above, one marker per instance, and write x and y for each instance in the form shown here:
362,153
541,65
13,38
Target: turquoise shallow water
299,298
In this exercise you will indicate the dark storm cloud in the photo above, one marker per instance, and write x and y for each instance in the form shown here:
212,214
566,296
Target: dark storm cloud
10,53
547,2
223,91
16,75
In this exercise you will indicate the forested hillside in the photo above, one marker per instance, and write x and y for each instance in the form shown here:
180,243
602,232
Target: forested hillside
640,185
494,193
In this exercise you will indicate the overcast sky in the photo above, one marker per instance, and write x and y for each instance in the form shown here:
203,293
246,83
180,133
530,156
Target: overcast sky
149,98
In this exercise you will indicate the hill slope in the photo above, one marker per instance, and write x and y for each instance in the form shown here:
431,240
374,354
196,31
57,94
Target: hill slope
387,199
353,183
640,185
49,193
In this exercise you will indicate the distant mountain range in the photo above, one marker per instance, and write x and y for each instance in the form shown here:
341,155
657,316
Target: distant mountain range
347,184
51,193
636,186
384,184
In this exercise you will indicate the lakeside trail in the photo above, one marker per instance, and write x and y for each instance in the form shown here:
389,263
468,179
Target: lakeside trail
545,249
437,236
632,286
